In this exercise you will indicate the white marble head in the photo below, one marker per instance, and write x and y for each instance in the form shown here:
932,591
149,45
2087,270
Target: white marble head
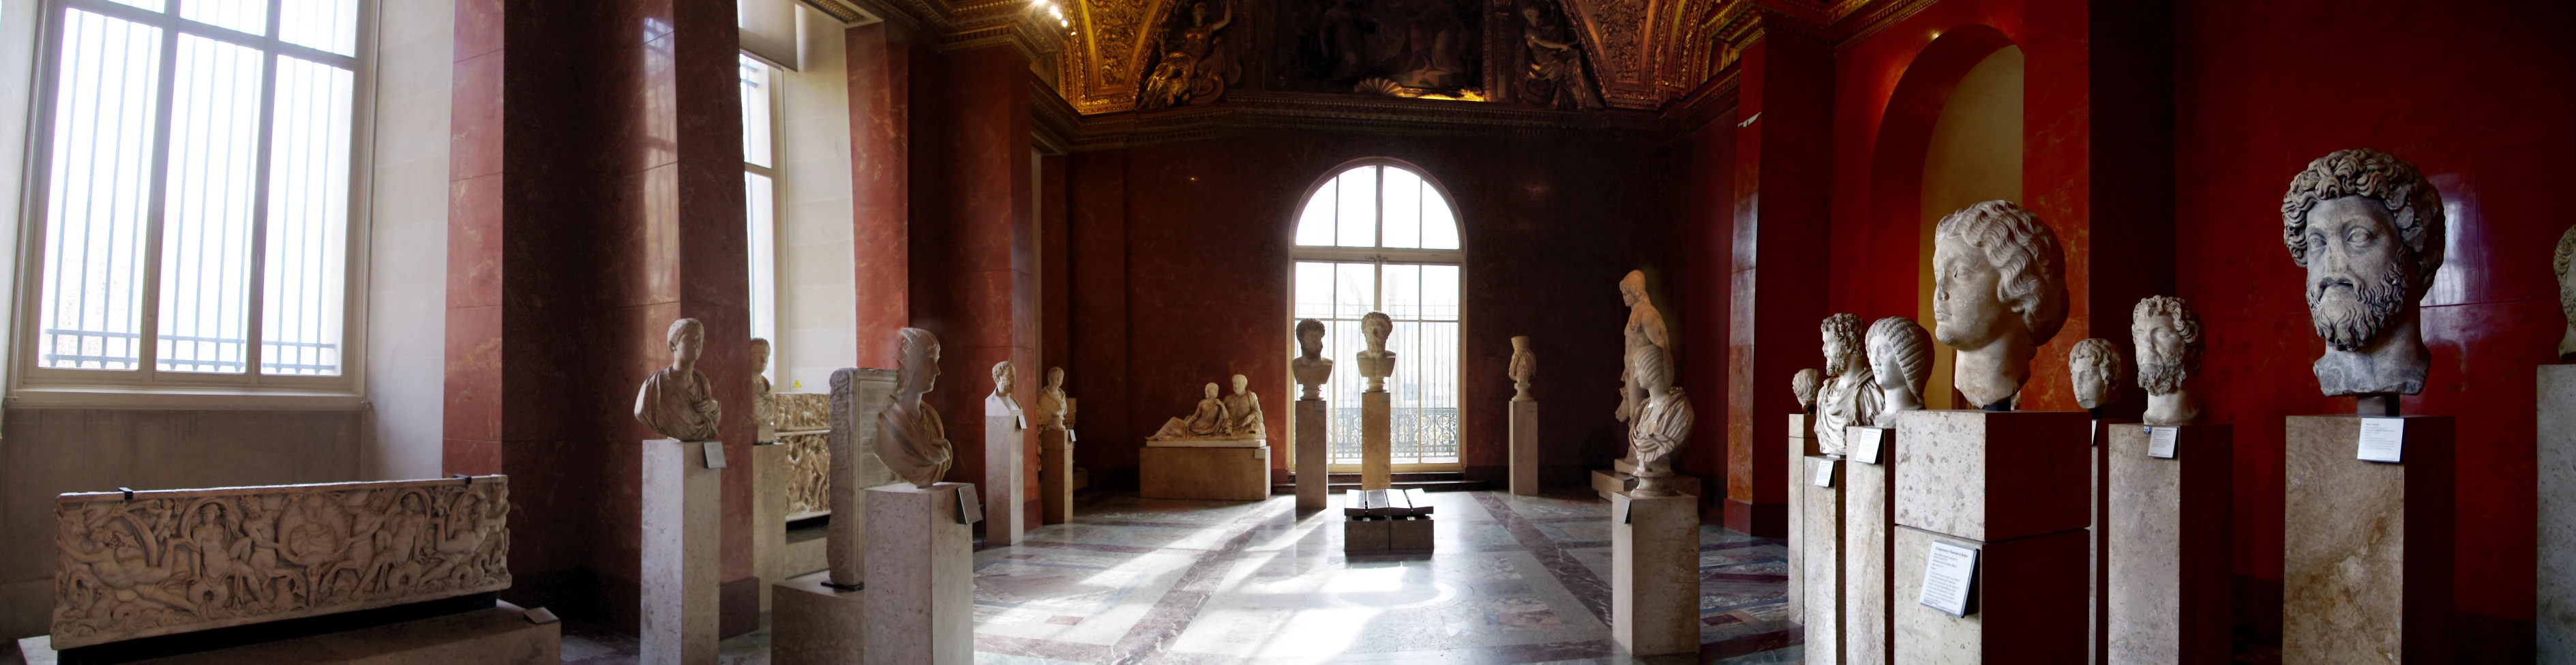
1241,383
2095,370
917,368
1900,359
1804,384
1004,378
1842,344
1632,288
2167,334
2566,292
2368,228
1999,291
688,339
1310,338
1374,327
1055,378
759,355
1209,391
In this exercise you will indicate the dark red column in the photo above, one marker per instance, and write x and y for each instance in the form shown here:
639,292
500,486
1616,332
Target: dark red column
1777,283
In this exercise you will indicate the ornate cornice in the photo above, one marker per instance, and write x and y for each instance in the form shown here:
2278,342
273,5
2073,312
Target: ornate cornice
1251,110
949,25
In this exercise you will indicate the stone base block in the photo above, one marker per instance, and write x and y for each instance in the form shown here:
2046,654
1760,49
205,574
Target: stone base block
679,558
1365,534
920,577
1802,443
1377,440
2026,604
1654,574
501,635
2170,587
2367,546
2097,630
813,624
1823,580
1314,487
768,515
1408,533
1222,474
2556,616
1994,476
1869,511
1055,476
1610,482
1524,453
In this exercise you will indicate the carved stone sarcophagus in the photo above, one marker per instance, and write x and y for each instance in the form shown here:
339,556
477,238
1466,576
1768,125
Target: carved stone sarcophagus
161,562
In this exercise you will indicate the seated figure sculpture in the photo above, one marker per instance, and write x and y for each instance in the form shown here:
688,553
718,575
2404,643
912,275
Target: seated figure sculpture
1243,410
1208,422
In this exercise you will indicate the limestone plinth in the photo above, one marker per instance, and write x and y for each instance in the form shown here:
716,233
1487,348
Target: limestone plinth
1608,482
920,577
1055,476
1313,482
1869,510
1377,440
2556,617
1822,560
1994,476
2097,629
1802,443
816,624
1525,447
769,469
2367,546
859,397
500,635
1221,474
1005,473
2026,605
680,562
1654,574
2169,590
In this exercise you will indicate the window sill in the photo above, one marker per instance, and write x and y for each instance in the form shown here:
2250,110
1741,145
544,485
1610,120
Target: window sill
167,397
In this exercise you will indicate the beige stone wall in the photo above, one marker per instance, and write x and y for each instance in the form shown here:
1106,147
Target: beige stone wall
406,304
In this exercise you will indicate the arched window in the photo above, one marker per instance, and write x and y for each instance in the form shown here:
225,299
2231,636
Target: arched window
1381,237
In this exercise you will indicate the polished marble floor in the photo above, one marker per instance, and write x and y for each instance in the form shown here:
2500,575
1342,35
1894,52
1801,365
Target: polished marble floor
1512,580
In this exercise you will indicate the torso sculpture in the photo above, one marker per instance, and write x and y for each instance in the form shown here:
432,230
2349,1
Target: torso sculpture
910,439
1376,363
1850,394
1005,381
1055,411
1311,369
677,401
1524,365
2168,338
1999,293
1900,359
2368,228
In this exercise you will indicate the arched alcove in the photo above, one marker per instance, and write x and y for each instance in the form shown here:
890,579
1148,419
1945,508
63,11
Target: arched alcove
1974,155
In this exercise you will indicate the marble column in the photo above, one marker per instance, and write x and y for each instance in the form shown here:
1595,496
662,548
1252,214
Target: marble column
2366,563
1779,251
1654,574
1005,473
1377,440
921,576
1822,600
1313,480
1055,475
2556,616
1869,510
2168,548
2011,485
679,562
1524,446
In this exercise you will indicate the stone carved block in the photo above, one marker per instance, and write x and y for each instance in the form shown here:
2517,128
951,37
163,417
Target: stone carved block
809,474
804,412
165,562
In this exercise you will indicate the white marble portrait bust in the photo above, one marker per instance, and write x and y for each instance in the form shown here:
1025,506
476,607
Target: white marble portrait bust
2566,293
677,401
1006,379
1055,411
1376,363
1999,292
1243,410
1804,385
2094,370
2168,337
1900,357
1208,421
1850,394
1663,422
2368,229
764,406
1524,365
1311,369
910,438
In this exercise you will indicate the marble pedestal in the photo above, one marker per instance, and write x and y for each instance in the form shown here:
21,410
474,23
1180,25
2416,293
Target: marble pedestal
2098,582
1377,440
2169,589
1654,574
1366,535
2367,546
500,635
1822,598
1622,478
1525,447
2026,604
1055,476
1802,443
859,396
768,516
2556,616
1221,474
920,593
1313,482
815,624
680,560
1869,510
2014,485
1005,474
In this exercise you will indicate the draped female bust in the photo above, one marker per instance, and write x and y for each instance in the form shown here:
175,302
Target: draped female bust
677,401
910,439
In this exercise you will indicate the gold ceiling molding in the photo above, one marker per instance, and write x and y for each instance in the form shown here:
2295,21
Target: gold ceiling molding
949,25
1337,112
1108,53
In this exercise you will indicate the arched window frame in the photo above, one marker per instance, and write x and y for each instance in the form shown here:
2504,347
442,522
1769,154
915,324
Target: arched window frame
1381,256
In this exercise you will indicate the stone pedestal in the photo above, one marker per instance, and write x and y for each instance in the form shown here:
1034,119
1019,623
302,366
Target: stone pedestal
2556,617
1654,574
1869,510
1622,478
681,518
858,397
1221,474
1802,443
2025,606
815,624
2015,485
1005,473
920,577
1823,559
2169,589
768,516
1525,447
2098,629
1055,476
1377,440
2366,563
500,635
1313,482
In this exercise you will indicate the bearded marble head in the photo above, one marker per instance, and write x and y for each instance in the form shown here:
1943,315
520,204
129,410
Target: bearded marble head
2093,366
2167,334
1842,344
1374,327
1310,338
2368,228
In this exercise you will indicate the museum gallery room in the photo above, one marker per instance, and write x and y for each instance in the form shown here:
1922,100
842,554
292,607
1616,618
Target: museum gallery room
897,332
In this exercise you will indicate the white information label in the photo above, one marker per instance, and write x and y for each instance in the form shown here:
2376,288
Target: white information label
713,451
1866,443
1824,472
2382,439
1947,575
2160,442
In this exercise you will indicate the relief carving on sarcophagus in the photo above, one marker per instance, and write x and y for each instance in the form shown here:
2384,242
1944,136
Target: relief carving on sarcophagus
805,427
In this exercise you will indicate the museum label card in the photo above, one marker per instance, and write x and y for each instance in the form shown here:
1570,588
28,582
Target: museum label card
2160,441
1622,506
1824,472
1865,443
2382,439
968,511
714,453
1947,575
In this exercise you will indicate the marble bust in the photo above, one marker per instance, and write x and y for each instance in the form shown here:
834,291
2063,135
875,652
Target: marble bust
2095,370
2368,229
1376,363
764,406
1055,411
1310,367
1005,380
910,439
1662,425
677,401
1208,421
1243,411
1524,364
1850,394
2566,293
1804,385
1900,357
2168,338
1645,327
1999,292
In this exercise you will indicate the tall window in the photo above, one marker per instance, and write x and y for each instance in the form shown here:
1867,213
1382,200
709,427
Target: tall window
1382,238
196,190
760,198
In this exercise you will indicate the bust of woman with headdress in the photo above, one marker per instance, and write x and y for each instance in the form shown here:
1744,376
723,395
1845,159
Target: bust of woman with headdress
910,439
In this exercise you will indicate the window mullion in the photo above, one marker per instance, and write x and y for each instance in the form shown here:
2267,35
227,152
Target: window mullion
148,319
254,304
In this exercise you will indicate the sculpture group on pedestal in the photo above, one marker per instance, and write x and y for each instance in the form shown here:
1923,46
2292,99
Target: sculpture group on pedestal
2168,337
677,401
910,439
1235,416
2368,229
1900,358
1999,292
1850,395
1644,328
